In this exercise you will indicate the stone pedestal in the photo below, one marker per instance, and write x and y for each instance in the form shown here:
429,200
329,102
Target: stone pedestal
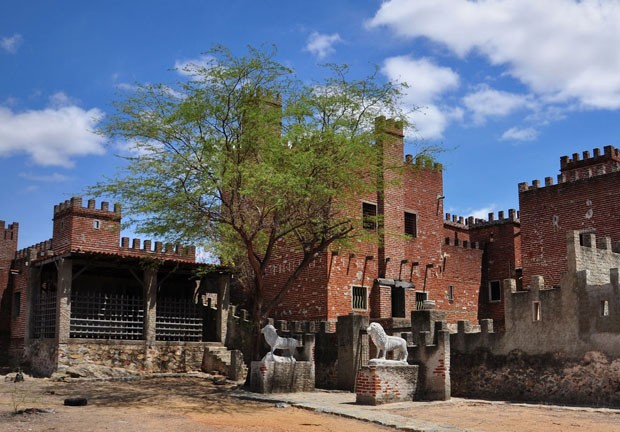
277,377
379,384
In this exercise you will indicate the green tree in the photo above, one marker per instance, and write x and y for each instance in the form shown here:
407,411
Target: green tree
243,155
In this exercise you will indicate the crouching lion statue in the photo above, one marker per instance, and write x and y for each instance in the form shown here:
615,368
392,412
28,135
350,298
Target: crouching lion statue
385,344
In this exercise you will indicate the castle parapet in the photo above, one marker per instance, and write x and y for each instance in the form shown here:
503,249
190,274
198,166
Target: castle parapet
35,251
592,254
74,205
168,249
473,222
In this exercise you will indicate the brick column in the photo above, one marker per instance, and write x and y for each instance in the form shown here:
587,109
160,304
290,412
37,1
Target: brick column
150,304
63,300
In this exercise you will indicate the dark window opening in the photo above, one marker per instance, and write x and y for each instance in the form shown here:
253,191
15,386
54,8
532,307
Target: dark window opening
369,216
398,302
359,297
17,304
495,291
420,297
411,224
451,294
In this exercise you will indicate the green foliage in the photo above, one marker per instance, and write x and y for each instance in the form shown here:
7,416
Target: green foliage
243,154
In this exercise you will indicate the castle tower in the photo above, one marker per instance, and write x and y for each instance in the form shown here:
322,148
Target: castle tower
88,229
8,248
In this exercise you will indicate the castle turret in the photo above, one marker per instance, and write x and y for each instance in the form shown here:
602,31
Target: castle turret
78,228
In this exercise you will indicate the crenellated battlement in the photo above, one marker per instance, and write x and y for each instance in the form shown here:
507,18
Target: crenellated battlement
422,162
610,153
472,222
9,232
594,255
284,326
140,247
35,251
75,204
578,168
389,126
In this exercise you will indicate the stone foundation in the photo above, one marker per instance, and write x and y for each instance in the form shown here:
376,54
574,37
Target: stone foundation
275,377
379,384
45,357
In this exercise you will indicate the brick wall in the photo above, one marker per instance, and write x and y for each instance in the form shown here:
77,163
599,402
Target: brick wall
18,318
8,247
501,240
461,270
548,212
86,228
307,299
415,187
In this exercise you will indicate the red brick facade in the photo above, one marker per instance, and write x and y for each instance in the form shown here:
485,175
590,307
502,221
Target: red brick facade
382,279
8,247
586,198
458,263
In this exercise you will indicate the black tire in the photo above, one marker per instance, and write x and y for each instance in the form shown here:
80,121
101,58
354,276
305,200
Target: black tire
76,401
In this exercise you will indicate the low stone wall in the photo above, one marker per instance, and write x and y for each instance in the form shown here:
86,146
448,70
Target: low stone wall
549,378
379,384
276,377
159,357
45,358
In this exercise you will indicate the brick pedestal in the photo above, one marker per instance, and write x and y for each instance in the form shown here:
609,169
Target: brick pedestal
274,377
379,384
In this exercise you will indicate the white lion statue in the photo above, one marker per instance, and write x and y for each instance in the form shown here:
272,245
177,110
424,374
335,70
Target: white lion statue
277,342
385,343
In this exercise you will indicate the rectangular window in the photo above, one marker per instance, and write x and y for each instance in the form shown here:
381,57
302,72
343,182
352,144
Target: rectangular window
536,313
359,296
451,294
420,297
604,308
96,224
495,291
411,224
17,304
369,216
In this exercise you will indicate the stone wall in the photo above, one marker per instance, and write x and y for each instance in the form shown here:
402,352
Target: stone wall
160,357
45,357
593,379
276,377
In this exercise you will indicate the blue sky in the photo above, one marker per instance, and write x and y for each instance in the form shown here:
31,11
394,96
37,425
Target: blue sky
506,86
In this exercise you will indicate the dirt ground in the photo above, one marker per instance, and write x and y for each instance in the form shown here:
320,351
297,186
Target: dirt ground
154,405
196,404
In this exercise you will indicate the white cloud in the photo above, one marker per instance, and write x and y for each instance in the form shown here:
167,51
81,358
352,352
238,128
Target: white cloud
190,67
561,49
321,45
61,100
12,43
483,213
479,213
427,83
487,102
520,134
52,136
